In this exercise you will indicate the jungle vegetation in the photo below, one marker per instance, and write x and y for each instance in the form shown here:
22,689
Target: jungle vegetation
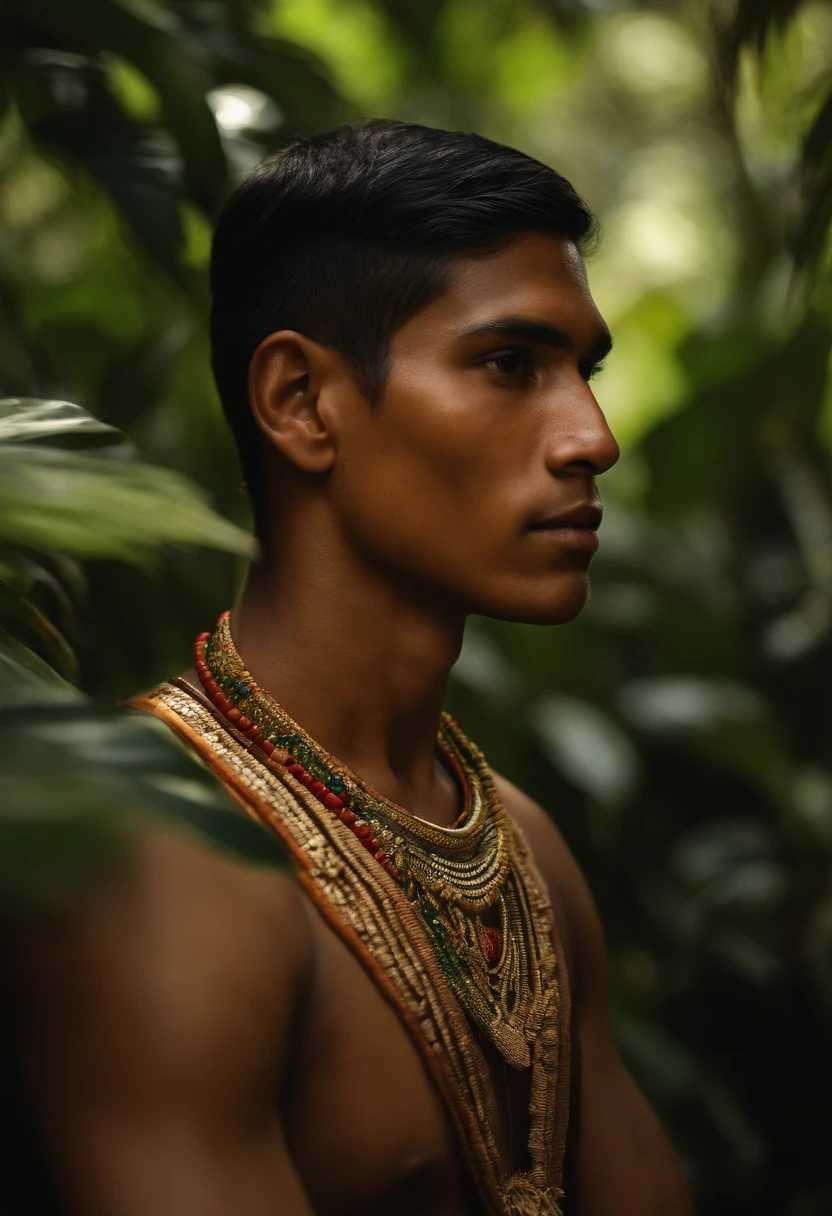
679,731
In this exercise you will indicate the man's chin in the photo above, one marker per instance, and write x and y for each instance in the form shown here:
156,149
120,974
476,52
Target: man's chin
556,606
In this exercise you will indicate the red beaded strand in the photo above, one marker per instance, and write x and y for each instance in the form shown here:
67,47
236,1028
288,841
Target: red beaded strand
360,828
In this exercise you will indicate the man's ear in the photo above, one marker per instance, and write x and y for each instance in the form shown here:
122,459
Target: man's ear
285,377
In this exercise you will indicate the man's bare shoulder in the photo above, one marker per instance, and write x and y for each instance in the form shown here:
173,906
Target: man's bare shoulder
551,852
176,955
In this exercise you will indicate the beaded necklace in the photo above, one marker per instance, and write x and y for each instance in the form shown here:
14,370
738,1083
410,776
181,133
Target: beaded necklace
451,876
387,914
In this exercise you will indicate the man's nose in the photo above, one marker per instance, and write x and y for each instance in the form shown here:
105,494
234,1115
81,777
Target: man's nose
580,437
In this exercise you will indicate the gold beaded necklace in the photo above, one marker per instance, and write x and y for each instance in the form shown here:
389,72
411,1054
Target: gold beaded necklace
453,877
416,926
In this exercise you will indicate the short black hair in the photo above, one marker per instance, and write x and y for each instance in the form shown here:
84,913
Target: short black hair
346,235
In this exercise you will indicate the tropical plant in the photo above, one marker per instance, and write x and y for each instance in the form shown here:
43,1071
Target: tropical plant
677,731
79,778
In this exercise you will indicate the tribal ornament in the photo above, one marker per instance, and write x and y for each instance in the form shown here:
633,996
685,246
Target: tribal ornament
453,925
452,876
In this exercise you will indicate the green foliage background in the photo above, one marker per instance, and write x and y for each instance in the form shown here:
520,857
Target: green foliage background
678,732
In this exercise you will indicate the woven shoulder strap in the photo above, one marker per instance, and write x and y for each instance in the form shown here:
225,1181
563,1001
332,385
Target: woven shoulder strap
370,912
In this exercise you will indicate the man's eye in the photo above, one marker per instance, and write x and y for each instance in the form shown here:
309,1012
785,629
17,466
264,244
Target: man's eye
512,363
590,370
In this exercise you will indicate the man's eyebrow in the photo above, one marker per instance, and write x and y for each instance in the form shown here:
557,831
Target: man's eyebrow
543,332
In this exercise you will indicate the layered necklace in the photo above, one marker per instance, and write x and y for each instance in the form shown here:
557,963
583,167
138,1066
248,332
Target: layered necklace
456,879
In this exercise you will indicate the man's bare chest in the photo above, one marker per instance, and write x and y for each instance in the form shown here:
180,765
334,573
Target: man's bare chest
365,1125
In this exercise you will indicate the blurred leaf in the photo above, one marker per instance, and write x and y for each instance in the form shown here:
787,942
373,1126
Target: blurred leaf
30,419
20,614
134,382
751,23
51,578
482,665
151,39
818,948
731,861
567,14
669,1067
684,703
817,146
416,22
78,781
587,746
288,74
811,796
731,1120
92,507
816,189
751,960
137,166
25,676
756,19
750,408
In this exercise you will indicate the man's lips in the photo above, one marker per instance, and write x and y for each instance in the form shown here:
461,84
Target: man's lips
576,527
585,515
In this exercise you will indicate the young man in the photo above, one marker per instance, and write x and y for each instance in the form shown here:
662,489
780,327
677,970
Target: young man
403,341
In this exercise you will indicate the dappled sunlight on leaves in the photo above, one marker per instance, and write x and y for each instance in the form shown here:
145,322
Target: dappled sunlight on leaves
678,732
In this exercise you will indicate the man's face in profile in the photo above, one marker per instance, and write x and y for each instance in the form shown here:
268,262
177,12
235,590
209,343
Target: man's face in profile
474,476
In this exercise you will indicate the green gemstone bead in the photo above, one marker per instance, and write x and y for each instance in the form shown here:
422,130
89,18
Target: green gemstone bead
304,754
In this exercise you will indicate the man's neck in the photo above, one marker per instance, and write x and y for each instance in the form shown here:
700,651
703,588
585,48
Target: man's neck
361,664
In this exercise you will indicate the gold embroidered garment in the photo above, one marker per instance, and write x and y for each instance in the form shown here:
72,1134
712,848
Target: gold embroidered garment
422,941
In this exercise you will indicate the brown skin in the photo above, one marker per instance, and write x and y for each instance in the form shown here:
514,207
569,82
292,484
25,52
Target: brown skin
219,1050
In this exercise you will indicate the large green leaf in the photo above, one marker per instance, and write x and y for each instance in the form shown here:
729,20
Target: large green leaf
290,75
151,39
28,622
136,165
26,677
93,507
78,781
52,577
32,420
